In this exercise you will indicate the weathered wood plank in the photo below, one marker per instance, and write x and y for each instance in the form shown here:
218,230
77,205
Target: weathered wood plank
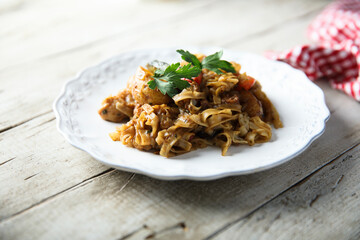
9,6
323,206
70,24
35,157
277,38
116,211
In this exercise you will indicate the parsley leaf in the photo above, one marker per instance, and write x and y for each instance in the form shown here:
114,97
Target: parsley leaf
164,87
170,80
189,57
213,63
188,71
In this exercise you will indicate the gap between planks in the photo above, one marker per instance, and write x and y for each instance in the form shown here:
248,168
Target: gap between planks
229,225
27,120
7,161
154,234
80,184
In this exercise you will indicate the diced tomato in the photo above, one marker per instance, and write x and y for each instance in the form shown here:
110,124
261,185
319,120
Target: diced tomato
194,79
198,79
246,84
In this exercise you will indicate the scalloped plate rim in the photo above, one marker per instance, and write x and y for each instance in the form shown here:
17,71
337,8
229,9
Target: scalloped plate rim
184,176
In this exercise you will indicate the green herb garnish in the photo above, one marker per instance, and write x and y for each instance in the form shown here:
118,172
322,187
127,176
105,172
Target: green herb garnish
190,58
169,81
211,62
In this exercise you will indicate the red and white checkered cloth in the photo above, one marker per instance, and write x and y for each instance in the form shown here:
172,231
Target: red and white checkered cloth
337,55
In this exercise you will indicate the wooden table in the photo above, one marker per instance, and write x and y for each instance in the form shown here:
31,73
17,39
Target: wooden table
50,190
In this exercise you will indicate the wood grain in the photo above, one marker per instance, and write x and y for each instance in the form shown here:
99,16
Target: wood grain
323,206
35,164
77,26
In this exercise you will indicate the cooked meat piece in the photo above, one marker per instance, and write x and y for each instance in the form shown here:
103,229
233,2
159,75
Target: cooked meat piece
109,112
117,108
231,97
250,104
270,114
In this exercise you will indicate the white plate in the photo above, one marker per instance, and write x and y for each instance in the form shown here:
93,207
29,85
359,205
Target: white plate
300,103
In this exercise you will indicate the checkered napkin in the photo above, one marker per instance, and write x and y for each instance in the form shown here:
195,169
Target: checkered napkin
336,57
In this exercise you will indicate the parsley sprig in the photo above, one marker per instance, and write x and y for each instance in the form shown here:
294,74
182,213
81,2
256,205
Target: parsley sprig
171,80
168,81
211,62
